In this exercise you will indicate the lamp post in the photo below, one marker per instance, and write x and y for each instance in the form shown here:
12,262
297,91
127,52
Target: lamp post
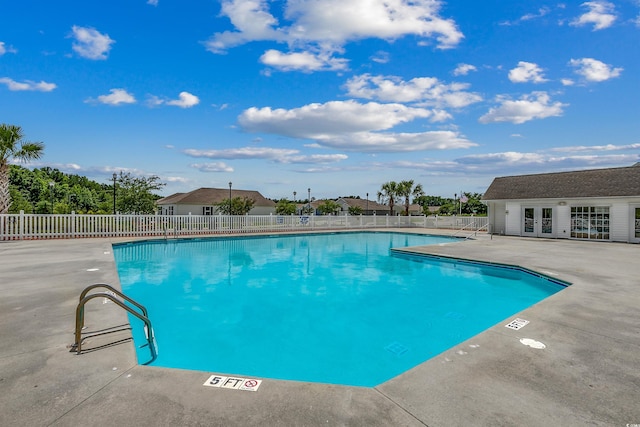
51,184
294,203
367,212
229,197
309,192
114,192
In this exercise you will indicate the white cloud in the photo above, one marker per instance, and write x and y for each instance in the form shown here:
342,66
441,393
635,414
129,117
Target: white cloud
593,70
316,120
6,49
116,97
528,17
567,82
185,100
511,162
278,155
536,105
152,2
27,85
378,142
527,72
317,158
600,14
243,153
91,44
330,24
541,12
380,57
592,148
427,91
349,125
178,179
464,69
302,61
212,167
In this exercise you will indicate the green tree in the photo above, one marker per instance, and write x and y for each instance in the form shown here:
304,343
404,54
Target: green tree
285,207
135,194
406,190
388,194
12,145
474,204
328,207
355,210
236,206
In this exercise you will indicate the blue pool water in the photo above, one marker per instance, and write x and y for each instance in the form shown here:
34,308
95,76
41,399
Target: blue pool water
335,308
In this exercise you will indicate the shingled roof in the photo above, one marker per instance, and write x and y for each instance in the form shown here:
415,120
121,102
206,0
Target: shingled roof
210,196
362,203
612,182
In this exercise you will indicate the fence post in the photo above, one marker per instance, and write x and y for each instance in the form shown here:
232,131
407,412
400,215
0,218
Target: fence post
21,225
73,224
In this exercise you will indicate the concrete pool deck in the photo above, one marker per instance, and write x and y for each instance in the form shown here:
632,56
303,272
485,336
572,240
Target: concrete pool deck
588,373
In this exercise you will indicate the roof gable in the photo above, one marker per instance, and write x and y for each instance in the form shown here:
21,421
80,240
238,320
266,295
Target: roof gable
612,182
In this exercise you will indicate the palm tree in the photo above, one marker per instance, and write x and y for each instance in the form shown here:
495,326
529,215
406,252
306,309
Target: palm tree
407,190
388,193
12,146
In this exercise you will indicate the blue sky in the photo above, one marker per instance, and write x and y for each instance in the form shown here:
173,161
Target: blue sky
337,96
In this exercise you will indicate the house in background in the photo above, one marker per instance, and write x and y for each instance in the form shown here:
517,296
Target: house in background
596,204
203,201
369,207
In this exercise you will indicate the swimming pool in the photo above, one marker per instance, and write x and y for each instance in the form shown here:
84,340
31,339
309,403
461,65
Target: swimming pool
334,307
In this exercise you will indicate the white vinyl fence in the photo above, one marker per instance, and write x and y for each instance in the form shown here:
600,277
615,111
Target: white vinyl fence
72,226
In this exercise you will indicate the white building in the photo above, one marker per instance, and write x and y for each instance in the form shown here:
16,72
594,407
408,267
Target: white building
596,204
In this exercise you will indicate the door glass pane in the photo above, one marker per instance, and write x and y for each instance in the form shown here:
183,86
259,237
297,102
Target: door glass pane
547,222
528,220
637,222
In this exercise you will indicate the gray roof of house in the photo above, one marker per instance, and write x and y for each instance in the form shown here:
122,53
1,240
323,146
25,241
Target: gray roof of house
362,203
612,182
209,196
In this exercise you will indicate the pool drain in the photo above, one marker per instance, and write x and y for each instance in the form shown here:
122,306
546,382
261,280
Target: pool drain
396,348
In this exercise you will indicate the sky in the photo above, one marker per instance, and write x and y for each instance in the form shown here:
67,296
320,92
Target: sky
334,96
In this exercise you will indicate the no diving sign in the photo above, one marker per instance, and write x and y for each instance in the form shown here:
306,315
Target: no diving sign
246,384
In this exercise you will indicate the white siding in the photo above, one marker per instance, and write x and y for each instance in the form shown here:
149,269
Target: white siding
563,221
620,221
497,217
513,214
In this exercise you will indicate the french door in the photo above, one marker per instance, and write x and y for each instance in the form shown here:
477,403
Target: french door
537,221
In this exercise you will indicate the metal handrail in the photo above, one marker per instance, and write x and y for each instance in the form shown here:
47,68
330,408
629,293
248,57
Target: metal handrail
84,298
468,225
475,233
115,291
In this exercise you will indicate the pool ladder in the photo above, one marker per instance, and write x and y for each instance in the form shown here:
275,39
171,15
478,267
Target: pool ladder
111,294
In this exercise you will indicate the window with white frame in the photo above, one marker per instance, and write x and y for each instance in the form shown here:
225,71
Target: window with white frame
207,210
590,222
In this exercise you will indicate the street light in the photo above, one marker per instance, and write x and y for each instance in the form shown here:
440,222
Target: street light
455,203
367,212
51,184
229,197
114,192
309,208
294,202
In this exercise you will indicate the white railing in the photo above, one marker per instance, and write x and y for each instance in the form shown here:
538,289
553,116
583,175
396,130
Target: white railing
41,226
